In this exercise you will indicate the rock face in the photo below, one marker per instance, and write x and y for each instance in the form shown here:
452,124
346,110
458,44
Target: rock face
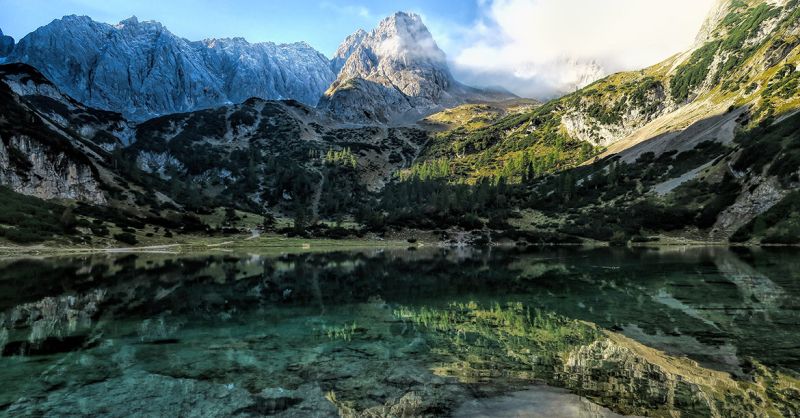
346,49
30,167
6,44
51,146
394,72
142,70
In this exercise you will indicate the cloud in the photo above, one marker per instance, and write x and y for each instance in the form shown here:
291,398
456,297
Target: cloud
351,10
540,48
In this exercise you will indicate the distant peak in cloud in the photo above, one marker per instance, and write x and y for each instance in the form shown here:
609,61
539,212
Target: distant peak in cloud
545,48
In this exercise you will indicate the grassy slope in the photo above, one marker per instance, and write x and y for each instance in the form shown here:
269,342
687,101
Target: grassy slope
748,62
738,66
29,224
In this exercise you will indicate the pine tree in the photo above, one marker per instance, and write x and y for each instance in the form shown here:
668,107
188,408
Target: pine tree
68,220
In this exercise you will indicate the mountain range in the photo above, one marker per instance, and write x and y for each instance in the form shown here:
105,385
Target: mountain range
702,146
142,70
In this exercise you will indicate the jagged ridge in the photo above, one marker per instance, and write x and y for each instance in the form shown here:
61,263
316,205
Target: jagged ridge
143,70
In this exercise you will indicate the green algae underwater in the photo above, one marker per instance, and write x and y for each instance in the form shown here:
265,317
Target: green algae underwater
665,332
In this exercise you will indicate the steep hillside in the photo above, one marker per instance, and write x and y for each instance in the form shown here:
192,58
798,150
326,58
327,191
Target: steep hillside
52,146
263,155
110,180
745,57
700,147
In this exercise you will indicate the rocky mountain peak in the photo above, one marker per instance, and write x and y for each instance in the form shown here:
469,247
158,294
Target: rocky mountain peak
6,44
346,49
395,69
408,26
131,21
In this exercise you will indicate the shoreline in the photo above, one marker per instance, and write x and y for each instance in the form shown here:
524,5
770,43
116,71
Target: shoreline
267,244
282,244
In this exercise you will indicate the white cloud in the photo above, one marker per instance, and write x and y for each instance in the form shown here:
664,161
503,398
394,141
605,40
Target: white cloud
351,10
542,47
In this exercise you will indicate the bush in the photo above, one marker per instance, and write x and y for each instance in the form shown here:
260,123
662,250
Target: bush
22,236
126,238
470,222
100,231
783,238
619,239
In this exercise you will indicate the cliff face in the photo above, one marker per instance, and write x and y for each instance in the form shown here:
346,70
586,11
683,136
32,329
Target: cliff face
142,70
33,168
51,146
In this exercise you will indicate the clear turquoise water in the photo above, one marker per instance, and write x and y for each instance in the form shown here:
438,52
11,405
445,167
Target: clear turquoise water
251,335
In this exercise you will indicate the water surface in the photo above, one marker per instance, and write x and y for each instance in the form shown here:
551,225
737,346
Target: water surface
552,332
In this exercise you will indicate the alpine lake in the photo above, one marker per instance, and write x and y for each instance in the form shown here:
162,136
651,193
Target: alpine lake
536,332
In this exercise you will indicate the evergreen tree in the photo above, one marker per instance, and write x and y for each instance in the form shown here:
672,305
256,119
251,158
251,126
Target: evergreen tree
68,220
268,222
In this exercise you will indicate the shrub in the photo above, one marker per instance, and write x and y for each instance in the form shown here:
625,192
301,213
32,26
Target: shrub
126,238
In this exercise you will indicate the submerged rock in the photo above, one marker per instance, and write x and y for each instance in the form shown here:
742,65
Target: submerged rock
141,394
537,402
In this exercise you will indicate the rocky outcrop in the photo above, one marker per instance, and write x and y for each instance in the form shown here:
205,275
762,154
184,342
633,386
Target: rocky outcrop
142,70
628,114
346,49
6,45
363,100
759,195
32,168
51,146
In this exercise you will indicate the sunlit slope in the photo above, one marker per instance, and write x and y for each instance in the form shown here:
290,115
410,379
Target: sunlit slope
746,56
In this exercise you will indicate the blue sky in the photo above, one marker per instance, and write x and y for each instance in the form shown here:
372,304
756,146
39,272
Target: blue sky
321,23
535,48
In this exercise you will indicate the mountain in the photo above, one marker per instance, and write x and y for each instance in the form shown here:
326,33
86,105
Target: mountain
676,142
395,72
281,156
142,70
701,147
6,45
745,59
258,155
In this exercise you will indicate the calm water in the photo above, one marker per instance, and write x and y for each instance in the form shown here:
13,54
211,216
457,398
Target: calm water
559,332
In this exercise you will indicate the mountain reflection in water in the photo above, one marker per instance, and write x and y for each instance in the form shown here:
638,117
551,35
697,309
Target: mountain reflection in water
598,332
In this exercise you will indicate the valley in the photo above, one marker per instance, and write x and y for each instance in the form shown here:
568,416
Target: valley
227,228
397,148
